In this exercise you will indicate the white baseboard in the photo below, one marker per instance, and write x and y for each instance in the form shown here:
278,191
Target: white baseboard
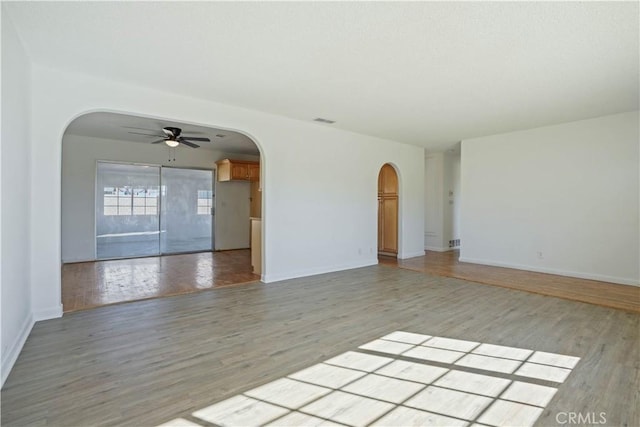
410,255
588,276
270,278
437,249
9,358
48,313
72,260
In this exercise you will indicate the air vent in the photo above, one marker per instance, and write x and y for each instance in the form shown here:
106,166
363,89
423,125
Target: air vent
321,120
454,243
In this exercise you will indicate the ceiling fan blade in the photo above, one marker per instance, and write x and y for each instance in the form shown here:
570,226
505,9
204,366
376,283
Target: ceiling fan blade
187,143
190,138
159,141
147,134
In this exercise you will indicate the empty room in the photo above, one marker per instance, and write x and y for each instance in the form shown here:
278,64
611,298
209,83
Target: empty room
320,213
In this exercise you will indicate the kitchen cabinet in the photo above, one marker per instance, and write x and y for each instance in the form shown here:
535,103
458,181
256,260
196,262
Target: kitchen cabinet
256,245
255,199
238,170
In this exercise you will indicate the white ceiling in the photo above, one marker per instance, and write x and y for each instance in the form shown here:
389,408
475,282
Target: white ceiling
425,73
122,127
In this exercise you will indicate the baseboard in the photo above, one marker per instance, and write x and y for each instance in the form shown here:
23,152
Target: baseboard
9,358
410,255
437,249
270,278
588,276
48,313
74,260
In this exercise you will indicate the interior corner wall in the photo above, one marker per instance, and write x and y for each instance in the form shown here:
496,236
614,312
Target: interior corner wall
442,200
433,200
320,183
559,199
454,199
16,315
451,199
79,157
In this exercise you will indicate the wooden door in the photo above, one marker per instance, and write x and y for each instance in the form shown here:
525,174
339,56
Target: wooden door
388,210
390,225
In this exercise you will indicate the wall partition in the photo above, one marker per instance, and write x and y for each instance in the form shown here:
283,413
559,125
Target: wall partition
144,210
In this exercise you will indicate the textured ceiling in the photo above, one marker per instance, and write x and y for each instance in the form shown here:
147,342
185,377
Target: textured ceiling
425,73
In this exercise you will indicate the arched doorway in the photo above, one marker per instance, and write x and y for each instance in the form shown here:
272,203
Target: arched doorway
116,173
388,211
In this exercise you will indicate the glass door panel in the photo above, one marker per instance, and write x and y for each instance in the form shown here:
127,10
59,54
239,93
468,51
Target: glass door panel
186,210
127,210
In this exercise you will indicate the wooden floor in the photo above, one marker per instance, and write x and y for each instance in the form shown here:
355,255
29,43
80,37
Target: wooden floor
591,291
92,284
144,363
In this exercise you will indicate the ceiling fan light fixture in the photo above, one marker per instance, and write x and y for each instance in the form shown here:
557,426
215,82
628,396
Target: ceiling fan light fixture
171,143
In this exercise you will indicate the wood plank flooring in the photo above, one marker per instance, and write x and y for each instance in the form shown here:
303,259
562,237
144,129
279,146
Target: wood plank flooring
147,362
91,284
591,291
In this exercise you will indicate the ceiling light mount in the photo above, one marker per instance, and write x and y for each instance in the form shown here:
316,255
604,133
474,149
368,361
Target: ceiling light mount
321,120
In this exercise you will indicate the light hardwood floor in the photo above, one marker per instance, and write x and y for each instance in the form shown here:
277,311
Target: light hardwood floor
144,363
446,264
92,284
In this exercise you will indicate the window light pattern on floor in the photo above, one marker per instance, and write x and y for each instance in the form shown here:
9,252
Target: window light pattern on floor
411,380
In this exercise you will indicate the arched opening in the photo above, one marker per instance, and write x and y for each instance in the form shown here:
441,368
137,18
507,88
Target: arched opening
145,216
388,205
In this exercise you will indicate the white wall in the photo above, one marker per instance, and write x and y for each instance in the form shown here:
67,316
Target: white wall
15,172
79,157
560,199
455,187
442,199
451,198
433,199
320,183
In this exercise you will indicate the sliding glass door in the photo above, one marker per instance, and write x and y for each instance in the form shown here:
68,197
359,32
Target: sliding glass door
186,215
127,210
151,210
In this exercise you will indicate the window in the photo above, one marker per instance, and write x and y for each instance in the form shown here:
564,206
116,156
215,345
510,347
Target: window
128,200
205,198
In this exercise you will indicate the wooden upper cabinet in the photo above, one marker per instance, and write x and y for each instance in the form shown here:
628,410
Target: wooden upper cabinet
254,172
238,170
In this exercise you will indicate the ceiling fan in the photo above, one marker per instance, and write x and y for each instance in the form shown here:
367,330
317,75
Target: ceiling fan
173,138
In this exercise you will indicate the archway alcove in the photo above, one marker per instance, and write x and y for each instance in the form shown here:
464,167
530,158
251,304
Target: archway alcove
141,218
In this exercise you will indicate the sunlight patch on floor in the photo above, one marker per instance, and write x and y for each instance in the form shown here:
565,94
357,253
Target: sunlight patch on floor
412,380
